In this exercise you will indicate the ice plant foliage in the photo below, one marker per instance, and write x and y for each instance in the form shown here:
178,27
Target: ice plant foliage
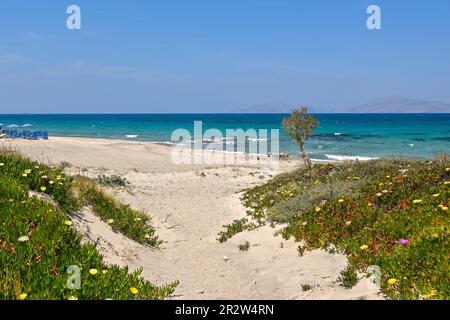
37,244
394,216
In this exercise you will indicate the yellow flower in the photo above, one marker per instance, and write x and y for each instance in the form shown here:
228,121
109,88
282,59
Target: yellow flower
440,205
436,195
369,204
417,201
388,177
378,194
318,209
380,184
341,200
447,169
93,271
446,183
43,189
444,208
385,191
44,177
25,175
2,164
304,223
110,221
133,290
68,222
28,171
348,222
392,281
72,298
364,247
51,182
105,271
22,296
23,239
147,236
430,294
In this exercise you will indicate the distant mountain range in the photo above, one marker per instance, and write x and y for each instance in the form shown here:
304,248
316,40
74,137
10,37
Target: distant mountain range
395,104
399,105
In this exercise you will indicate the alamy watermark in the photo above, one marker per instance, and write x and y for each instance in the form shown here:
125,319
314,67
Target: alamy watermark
374,277
74,280
73,22
236,147
374,20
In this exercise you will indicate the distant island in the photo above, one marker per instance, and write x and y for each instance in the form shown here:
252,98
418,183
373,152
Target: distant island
394,104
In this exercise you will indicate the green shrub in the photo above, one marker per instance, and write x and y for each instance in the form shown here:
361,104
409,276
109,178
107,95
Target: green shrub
113,181
348,278
132,223
234,228
38,244
391,213
244,246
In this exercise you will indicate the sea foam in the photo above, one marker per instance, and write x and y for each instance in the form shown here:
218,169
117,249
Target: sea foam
342,158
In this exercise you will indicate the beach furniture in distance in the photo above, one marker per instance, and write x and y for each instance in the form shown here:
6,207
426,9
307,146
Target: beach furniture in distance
25,134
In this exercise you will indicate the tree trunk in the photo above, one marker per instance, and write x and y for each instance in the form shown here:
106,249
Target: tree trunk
305,157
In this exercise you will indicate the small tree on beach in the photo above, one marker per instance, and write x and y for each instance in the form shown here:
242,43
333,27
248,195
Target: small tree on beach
300,126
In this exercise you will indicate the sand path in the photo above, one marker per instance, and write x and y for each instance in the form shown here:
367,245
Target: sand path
189,204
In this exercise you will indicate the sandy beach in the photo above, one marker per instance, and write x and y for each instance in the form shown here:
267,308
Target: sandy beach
189,204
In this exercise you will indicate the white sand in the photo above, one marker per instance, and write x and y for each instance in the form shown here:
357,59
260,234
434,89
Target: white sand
188,209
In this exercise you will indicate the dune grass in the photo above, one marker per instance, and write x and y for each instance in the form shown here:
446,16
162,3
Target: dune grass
38,244
72,193
388,213
132,223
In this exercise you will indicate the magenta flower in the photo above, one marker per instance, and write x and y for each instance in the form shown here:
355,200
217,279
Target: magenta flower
404,241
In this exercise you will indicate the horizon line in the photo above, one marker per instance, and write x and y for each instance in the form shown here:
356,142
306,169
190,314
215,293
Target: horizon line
194,113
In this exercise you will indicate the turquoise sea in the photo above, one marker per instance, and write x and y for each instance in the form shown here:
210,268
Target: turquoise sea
339,135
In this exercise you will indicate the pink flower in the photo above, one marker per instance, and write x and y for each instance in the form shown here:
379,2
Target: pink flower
404,241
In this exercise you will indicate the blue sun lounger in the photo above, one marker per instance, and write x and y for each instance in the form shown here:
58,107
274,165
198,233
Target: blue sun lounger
25,134
37,135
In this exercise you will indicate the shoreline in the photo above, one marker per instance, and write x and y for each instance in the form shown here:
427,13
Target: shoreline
290,157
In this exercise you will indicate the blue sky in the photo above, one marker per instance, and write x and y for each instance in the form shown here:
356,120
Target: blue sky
218,56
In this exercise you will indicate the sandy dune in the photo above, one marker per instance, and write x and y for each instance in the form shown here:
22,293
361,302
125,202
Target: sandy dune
189,204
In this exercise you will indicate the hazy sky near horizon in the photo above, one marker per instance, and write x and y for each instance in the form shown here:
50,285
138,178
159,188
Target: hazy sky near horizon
218,56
